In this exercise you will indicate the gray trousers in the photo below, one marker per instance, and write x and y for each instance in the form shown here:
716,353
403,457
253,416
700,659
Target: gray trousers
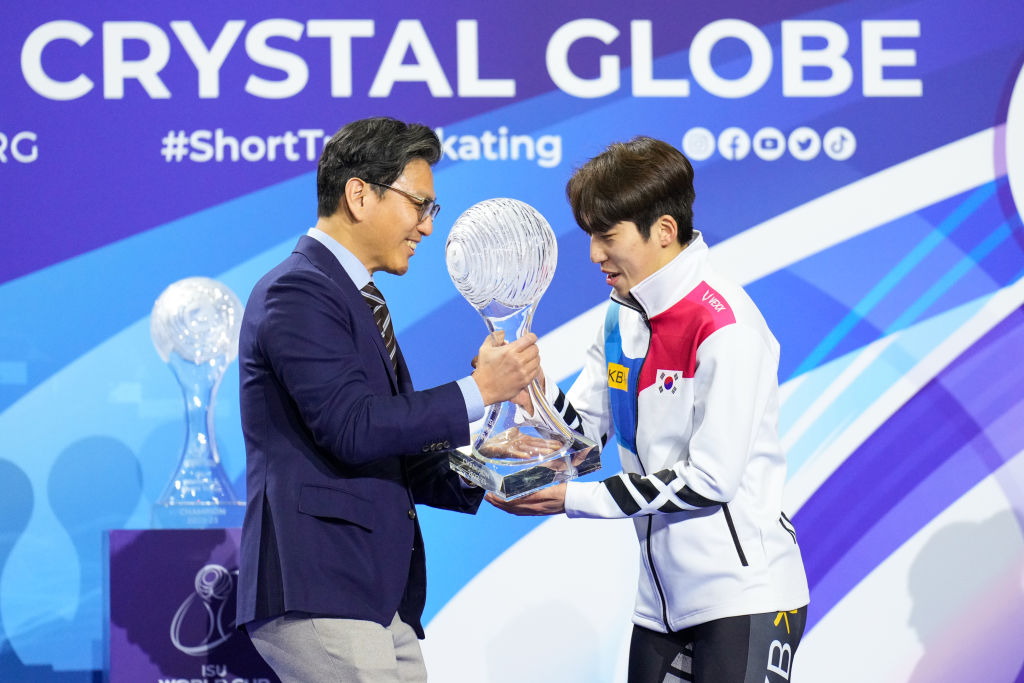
304,649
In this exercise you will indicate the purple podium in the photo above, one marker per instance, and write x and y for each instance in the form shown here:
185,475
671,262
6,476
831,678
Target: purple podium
172,609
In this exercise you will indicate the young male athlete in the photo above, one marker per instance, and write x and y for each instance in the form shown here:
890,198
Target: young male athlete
686,371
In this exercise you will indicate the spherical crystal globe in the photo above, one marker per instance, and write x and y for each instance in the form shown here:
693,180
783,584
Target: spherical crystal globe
197,318
501,255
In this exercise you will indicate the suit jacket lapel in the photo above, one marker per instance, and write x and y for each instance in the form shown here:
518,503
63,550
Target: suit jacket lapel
321,257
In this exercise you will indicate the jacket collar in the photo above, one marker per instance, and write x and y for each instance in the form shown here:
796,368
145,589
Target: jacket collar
321,257
660,290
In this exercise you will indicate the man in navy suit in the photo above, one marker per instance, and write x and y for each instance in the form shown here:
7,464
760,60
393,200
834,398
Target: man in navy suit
339,447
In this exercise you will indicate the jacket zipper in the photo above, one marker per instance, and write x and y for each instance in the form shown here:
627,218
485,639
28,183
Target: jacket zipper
636,429
735,536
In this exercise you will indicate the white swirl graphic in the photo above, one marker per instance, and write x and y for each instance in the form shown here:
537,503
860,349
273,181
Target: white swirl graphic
213,584
1015,143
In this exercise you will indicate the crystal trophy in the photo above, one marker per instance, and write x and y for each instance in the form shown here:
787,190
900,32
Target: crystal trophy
195,325
501,255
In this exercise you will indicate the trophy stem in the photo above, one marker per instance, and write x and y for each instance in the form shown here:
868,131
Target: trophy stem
548,414
513,322
199,385
199,493
516,453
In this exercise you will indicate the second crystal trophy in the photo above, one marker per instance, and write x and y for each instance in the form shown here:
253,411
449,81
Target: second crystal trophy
501,255
195,325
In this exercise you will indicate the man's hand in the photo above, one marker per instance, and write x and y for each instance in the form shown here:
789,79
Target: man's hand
523,400
503,370
549,501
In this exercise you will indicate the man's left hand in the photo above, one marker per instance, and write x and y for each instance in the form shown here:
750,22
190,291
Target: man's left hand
549,501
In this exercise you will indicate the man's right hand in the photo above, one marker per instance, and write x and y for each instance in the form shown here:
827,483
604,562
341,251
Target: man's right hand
503,370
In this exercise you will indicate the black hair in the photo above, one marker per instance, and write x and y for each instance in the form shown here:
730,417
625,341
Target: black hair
636,181
376,150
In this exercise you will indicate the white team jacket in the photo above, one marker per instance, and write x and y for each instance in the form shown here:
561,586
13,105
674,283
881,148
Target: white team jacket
688,376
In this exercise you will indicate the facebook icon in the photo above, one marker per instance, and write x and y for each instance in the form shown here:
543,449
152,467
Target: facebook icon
733,143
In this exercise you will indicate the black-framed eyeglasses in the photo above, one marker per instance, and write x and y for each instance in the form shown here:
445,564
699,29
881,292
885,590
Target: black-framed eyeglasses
425,207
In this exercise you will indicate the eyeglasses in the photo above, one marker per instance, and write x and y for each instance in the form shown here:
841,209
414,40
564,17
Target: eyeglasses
425,207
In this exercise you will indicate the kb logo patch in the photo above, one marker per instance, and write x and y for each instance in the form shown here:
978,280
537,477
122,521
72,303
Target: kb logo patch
618,376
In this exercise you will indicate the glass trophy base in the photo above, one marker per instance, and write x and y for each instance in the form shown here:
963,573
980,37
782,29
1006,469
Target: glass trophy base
198,515
510,478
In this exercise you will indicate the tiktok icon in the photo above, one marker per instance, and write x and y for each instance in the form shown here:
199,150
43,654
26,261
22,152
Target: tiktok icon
839,143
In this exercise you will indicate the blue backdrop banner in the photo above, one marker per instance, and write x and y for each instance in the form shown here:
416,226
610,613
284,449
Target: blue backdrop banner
859,168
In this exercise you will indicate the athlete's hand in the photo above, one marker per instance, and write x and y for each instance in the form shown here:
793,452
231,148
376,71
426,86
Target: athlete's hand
549,501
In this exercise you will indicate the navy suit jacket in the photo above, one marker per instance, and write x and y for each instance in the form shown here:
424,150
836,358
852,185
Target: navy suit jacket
338,450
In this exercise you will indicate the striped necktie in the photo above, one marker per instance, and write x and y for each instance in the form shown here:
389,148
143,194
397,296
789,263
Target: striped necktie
381,315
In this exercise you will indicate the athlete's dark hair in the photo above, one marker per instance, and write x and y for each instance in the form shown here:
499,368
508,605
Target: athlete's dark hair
375,150
636,181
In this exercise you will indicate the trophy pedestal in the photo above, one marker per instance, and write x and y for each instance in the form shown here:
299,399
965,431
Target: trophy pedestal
198,515
511,477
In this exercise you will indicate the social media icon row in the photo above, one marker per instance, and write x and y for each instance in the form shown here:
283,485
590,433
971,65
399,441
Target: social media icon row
769,143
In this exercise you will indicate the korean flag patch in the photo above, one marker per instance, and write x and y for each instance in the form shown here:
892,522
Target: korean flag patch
668,380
